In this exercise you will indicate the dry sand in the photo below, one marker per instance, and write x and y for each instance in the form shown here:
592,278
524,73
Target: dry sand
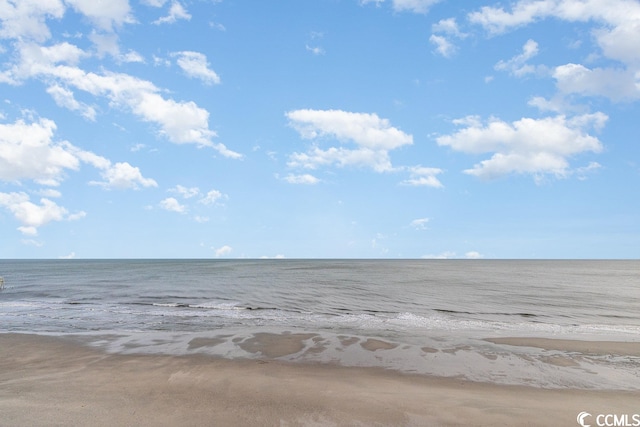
47,381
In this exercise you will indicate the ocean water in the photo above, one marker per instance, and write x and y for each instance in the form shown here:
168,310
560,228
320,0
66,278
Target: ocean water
417,316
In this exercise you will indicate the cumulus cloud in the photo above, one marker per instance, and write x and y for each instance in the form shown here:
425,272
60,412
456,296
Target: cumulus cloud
367,130
316,50
71,255
443,255
448,26
526,146
278,256
376,2
171,204
453,255
616,31
107,44
415,6
443,46
27,19
185,192
63,97
27,151
104,14
373,136
420,176
518,64
473,255
222,251
301,179
615,84
195,65
154,3
212,197
419,224
617,15
180,122
33,215
122,176
443,31
176,12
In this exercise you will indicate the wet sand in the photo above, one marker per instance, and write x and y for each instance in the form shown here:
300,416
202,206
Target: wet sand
584,347
46,381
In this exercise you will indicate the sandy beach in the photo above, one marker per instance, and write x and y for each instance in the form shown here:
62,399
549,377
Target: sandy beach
47,381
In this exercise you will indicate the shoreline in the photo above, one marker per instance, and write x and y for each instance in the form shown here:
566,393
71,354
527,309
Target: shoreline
46,380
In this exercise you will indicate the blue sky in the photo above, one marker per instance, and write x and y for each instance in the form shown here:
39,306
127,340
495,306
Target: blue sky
319,128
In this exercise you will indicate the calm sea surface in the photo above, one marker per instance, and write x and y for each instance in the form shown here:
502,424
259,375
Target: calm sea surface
161,305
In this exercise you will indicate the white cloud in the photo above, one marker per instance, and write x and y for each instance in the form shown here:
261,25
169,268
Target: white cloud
615,84
201,219
185,192
526,146
517,65
443,46
582,172
301,179
315,157
616,30
107,44
122,176
555,104
64,98
172,205
367,130
218,26
176,11
316,50
195,65
448,26
28,231
27,19
71,255
443,255
64,52
373,136
76,216
473,255
104,14
376,2
180,122
419,224
154,3
620,19
222,251
27,151
423,177
119,176
497,20
32,242
416,6
50,193
212,197
32,215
